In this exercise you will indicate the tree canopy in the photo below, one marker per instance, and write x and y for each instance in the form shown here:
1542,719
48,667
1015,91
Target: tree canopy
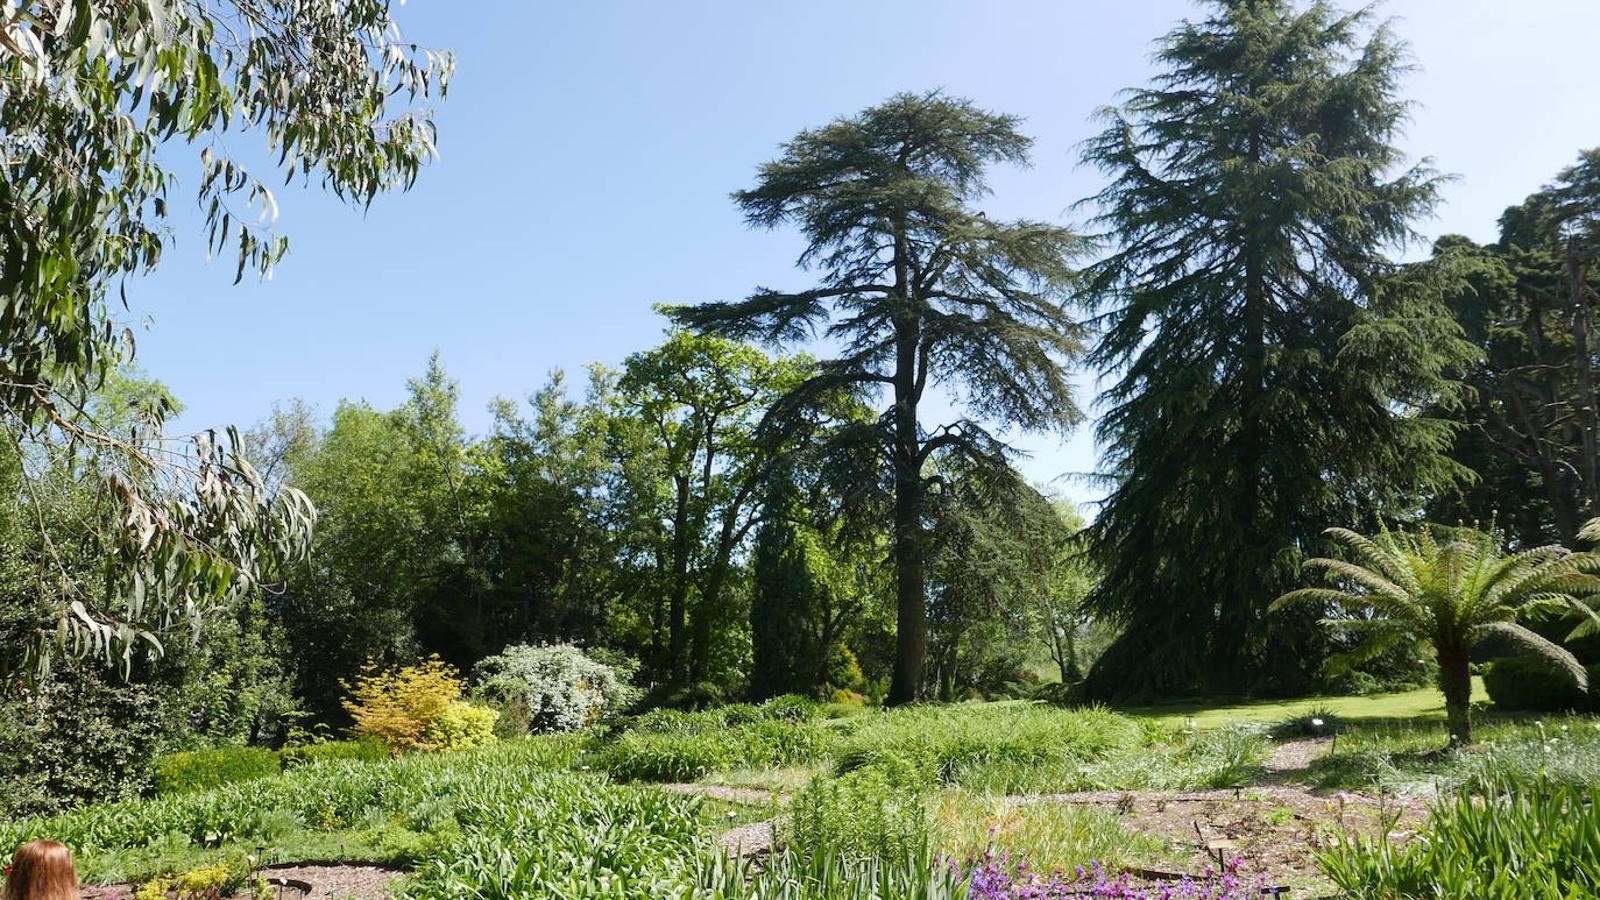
918,288
1271,361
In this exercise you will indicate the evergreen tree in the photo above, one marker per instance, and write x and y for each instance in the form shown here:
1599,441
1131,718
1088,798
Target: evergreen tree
1532,301
783,599
918,288
1270,358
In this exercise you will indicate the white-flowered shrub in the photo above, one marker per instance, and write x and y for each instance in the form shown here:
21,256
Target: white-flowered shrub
553,688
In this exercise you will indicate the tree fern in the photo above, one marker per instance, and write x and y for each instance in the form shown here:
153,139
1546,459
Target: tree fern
1450,588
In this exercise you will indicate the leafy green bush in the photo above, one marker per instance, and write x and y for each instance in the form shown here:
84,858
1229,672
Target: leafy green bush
673,746
328,751
1538,841
205,769
1316,722
1531,683
79,735
829,876
552,688
879,813
462,726
701,695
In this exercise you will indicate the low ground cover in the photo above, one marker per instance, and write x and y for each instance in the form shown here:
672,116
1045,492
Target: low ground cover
872,805
1410,757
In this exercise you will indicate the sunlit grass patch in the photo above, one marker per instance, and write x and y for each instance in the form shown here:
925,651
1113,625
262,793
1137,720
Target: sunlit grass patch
1052,835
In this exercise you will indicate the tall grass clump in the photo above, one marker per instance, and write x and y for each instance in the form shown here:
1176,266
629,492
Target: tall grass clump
878,813
831,876
1537,841
1004,748
321,796
671,745
1049,835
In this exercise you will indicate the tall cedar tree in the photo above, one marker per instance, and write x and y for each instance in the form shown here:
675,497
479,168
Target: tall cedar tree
1269,357
917,288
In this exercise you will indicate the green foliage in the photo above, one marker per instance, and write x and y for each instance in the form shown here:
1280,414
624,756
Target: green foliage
688,753
1533,683
1528,301
323,797
417,707
1051,835
953,745
112,98
201,770
1270,359
700,695
1407,757
830,876
79,735
329,751
461,726
877,813
1536,841
927,289
552,688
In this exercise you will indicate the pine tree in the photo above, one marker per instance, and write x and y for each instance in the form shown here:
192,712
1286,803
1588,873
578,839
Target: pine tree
1270,357
918,288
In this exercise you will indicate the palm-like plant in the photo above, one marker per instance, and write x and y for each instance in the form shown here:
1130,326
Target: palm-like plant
1449,588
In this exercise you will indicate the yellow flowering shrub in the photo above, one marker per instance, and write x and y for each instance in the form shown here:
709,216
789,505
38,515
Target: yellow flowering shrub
399,706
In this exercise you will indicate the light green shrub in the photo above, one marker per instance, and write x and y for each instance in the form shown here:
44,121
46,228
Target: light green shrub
327,751
205,769
462,726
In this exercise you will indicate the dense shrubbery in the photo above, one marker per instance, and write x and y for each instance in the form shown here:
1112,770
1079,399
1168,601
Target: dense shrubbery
553,688
417,707
79,735
879,813
1011,749
1537,841
1531,683
324,796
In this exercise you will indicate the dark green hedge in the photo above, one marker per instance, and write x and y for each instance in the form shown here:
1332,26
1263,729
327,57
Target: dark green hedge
1533,684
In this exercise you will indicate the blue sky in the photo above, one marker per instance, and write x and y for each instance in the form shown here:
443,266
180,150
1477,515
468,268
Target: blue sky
588,149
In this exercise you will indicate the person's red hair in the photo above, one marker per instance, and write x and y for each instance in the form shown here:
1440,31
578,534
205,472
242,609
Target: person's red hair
42,870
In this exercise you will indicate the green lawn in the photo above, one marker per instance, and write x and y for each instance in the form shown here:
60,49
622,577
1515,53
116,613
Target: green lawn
1209,713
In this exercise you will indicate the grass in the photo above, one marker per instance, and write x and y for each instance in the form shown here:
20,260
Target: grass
877,795
992,748
1051,835
1538,840
1411,758
1423,703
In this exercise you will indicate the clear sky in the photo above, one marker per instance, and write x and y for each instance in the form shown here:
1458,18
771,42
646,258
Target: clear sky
588,149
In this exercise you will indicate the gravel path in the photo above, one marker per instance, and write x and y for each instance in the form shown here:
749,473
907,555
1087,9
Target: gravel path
1292,758
744,795
335,882
748,840
341,882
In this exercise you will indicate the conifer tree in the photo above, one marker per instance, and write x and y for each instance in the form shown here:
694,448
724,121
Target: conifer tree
918,289
1270,357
